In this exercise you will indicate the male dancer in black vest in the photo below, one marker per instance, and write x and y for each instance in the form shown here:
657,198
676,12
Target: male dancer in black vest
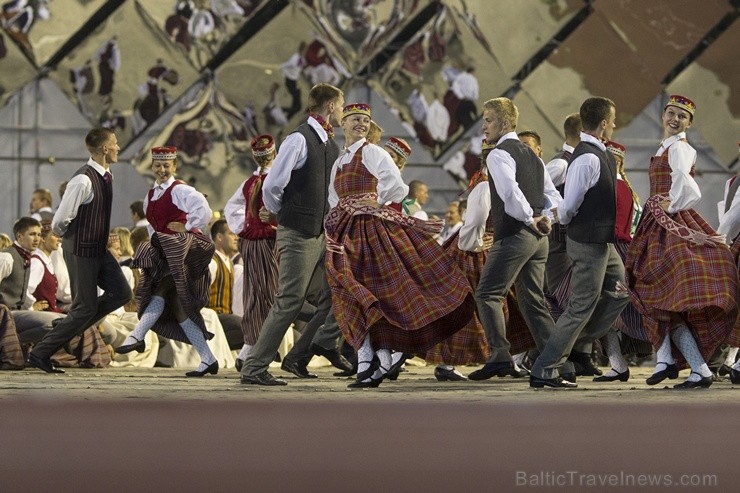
83,222
296,190
522,195
589,209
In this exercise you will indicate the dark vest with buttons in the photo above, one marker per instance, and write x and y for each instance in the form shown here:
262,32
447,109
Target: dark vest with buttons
530,176
13,288
731,192
596,219
87,234
305,198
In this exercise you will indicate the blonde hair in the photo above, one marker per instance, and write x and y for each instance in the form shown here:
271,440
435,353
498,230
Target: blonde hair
620,170
375,133
505,110
124,237
5,241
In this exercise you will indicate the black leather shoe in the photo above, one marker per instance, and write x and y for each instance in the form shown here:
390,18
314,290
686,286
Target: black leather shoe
555,383
397,367
670,371
622,377
138,346
42,364
724,370
263,378
334,357
497,370
210,369
570,377
443,374
704,383
734,376
238,363
296,368
584,364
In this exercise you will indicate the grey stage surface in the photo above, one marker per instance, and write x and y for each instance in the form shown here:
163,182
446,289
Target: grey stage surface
155,430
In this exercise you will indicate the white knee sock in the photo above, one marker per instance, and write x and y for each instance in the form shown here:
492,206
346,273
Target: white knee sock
614,352
686,343
664,355
198,340
384,355
244,353
151,314
731,355
365,356
396,357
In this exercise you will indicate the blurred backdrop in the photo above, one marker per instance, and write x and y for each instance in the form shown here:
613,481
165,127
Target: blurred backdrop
208,75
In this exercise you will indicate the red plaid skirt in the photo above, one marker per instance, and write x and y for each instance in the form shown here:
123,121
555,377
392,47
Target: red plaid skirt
185,256
666,274
468,346
393,281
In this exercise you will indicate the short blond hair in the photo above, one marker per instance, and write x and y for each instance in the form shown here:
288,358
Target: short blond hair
505,110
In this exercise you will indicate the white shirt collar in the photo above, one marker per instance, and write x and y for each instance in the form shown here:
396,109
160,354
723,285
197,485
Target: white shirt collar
593,140
568,148
353,148
672,140
507,136
97,167
165,185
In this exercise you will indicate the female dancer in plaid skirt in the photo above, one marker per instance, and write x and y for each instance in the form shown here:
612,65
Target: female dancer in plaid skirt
392,285
256,244
680,274
174,281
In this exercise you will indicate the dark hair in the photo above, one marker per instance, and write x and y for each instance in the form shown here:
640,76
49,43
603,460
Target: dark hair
595,110
218,227
24,224
572,126
138,235
414,187
531,133
137,207
97,137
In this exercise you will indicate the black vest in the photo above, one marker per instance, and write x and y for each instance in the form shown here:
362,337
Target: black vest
731,192
596,219
530,176
13,288
87,234
305,198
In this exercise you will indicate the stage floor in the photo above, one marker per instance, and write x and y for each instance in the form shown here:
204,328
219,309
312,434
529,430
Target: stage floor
122,429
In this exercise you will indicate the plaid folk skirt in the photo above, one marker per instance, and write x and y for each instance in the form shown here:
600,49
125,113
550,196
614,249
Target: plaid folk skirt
390,279
676,264
184,256
468,346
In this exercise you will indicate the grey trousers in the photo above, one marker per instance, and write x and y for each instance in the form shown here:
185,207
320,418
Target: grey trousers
518,261
86,274
32,326
301,258
593,306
